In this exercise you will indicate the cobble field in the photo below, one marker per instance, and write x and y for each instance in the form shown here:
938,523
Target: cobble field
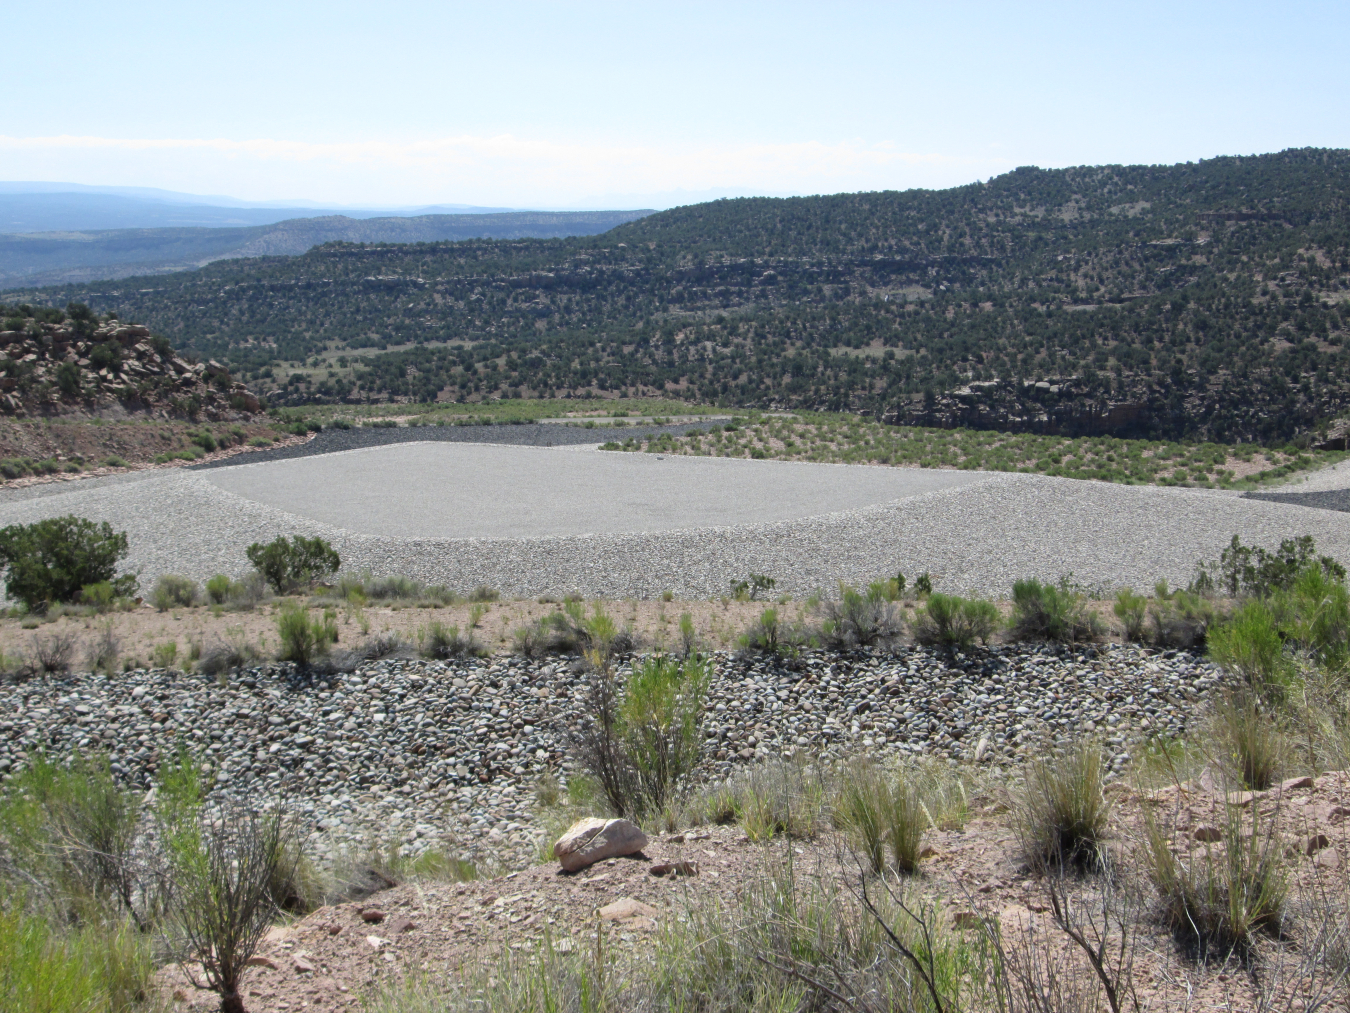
424,755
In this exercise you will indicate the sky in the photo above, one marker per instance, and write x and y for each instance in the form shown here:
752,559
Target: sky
649,105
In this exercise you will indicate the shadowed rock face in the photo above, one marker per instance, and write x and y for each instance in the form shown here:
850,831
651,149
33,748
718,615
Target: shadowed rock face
1246,410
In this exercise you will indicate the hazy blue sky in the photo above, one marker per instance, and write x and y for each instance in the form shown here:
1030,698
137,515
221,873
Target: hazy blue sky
623,104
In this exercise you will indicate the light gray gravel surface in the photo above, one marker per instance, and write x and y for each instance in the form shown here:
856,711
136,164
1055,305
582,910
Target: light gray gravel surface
1330,479
481,491
976,537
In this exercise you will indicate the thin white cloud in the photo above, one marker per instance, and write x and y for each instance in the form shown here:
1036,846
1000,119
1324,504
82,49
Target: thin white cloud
502,169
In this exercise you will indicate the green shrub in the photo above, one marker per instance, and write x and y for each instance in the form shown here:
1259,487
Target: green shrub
483,593
225,872
1250,646
531,640
1062,812
392,588
101,596
53,560
218,589
1131,609
953,621
767,635
644,738
94,970
164,655
1315,615
302,639
1057,612
260,441
1252,570
660,714
173,591
295,563
68,378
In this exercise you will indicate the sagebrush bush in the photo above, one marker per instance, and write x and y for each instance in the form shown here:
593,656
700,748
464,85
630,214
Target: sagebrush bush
1181,619
51,654
1062,812
53,560
953,621
218,589
100,596
173,591
531,640
164,655
643,737
439,642
101,653
1314,614
860,619
1057,612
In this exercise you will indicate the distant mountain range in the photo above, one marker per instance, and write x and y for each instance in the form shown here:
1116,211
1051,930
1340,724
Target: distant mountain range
74,207
73,257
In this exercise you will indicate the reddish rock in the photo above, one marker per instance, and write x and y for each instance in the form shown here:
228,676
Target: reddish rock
1296,783
400,925
372,915
302,965
1208,834
1314,843
257,960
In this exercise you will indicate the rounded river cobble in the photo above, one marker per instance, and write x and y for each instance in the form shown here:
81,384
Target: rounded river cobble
446,755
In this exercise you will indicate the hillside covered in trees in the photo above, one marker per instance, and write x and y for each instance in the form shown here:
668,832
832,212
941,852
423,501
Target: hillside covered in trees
1206,299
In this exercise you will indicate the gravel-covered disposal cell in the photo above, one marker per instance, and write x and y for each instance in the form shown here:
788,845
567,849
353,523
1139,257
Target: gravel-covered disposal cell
458,490
977,537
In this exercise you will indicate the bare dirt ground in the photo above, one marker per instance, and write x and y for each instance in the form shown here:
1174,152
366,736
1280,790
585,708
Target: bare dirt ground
447,933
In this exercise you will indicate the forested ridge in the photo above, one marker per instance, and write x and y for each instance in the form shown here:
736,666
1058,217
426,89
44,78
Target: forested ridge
1210,295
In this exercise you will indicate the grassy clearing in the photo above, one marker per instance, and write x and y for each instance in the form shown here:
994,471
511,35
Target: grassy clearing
849,440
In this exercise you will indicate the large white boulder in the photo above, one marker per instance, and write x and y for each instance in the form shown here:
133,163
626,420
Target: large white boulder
593,839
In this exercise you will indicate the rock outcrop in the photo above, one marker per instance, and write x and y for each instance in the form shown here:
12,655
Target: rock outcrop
87,366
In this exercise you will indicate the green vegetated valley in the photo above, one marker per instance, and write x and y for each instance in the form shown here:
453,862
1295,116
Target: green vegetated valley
1199,301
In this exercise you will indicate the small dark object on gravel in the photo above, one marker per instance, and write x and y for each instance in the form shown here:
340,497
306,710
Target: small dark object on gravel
678,868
